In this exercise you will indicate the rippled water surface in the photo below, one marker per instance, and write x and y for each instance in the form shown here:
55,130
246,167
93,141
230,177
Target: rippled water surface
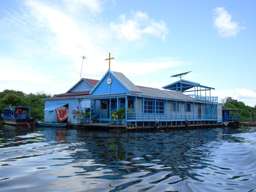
48,159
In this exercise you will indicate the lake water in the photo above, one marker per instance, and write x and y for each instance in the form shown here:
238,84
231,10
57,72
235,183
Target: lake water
49,159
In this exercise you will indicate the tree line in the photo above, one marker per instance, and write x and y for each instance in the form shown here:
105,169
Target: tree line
246,112
36,102
16,98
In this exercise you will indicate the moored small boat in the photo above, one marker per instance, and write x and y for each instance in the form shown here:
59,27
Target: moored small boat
48,124
18,116
22,124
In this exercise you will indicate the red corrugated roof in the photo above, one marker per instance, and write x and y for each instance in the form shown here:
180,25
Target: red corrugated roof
83,93
92,81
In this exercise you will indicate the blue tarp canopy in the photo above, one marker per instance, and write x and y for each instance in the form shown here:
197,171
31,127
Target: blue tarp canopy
184,85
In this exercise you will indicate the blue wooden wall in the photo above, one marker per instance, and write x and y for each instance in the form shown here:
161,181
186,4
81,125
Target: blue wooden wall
51,105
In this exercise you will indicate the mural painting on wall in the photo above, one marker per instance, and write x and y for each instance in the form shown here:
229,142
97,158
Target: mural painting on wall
62,114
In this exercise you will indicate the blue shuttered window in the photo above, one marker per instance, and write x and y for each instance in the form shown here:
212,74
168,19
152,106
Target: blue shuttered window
153,106
149,106
159,106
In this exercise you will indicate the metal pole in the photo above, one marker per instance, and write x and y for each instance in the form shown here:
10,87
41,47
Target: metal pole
81,70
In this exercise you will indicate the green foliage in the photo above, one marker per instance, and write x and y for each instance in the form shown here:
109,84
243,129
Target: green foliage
246,113
81,114
118,115
87,114
15,98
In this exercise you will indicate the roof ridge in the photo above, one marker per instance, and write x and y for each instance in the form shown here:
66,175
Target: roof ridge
125,81
155,88
147,87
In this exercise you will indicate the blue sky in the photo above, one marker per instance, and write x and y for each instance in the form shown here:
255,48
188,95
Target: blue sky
42,42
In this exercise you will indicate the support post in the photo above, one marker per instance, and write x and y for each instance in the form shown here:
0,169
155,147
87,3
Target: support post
126,107
110,111
135,108
117,103
205,95
193,111
155,109
143,106
210,95
135,111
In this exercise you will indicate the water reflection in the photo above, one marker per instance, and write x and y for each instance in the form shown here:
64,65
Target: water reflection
77,160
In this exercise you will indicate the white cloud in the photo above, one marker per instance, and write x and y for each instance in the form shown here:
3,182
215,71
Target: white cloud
149,66
224,24
243,94
139,25
73,39
76,5
65,38
18,74
25,73
55,35
152,72
70,38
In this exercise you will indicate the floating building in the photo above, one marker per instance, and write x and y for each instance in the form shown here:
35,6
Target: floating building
115,100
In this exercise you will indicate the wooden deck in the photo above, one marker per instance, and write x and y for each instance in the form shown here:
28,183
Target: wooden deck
99,126
176,127
248,123
102,126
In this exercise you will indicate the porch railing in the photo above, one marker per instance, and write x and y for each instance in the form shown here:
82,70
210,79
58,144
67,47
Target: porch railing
170,117
132,116
212,99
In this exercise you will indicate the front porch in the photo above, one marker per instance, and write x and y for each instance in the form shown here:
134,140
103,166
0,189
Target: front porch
112,110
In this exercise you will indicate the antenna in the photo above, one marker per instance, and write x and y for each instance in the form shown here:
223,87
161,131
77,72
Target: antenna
180,75
81,70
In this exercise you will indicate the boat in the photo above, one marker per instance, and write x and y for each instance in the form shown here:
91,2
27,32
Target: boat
18,116
51,124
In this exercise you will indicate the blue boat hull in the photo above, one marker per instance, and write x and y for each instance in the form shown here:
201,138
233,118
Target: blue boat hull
45,124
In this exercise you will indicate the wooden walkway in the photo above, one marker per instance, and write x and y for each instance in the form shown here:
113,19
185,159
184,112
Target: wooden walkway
102,126
249,123
99,126
176,127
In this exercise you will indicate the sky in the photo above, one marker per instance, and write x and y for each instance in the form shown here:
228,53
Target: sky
42,43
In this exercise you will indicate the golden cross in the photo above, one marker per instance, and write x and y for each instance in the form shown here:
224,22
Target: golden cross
109,60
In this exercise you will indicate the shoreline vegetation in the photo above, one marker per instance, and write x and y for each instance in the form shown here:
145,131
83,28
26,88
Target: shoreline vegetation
16,98
247,113
36,102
